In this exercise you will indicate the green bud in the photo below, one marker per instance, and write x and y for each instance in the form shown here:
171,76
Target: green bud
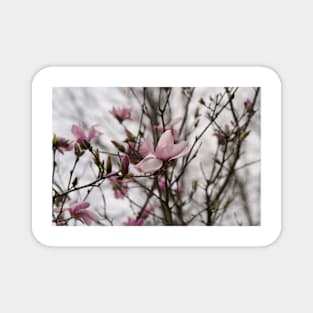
54,139
118,146
201,101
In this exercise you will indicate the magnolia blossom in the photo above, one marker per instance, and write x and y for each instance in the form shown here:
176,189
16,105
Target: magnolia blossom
63,144
119,186
165,150
79,211
169,126
81,135
122,114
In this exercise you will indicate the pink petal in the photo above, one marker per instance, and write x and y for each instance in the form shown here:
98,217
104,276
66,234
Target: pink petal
90,215
85,219
68,147
80,206
78,132
165,140
179,150
60,150
167,150
147,147
93,133
164,147
118,194
149,164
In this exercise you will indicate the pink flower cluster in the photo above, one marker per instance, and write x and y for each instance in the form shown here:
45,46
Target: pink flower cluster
81,135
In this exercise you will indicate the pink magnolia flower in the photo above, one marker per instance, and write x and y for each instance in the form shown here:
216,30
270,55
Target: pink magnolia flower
119,186
169,126
81,135
63,144
165,150
79,211
122,114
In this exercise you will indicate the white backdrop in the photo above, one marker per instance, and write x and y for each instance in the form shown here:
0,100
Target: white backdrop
38,279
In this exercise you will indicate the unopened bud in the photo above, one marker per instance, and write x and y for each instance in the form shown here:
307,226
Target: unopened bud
227,130
118,146
201,101
109,165
248,105
78,151
130,135
124,164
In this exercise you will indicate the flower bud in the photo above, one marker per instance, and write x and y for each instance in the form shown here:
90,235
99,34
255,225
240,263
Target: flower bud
118,146
227,130
78,151
109,165
130,135
248,105
124,164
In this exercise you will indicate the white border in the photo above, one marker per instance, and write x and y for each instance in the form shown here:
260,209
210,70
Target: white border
262,235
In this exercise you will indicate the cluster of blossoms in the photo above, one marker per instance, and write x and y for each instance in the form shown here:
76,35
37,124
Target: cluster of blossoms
78,210
82,138
149,160
145,154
